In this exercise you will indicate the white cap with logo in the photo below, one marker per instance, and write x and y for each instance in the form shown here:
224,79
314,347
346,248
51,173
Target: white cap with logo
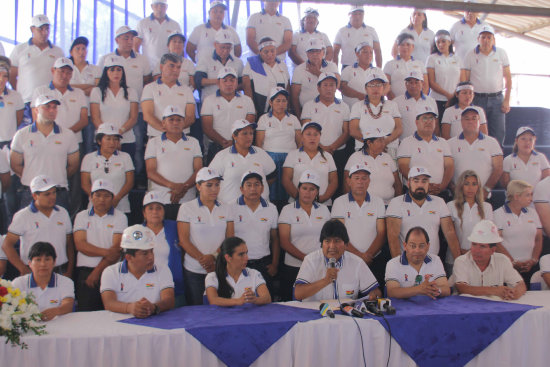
525,129
108,129
63,61
223,36
414,74
39,20
45,99
357,168
310,176
155,197
137,237
171,111
103,184
241,124
113,60
376,74
314,44
206,174
416,171
123,30
225,71
41,183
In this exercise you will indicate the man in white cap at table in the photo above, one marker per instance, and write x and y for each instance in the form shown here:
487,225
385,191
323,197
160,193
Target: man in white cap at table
136,285
31,61
484,272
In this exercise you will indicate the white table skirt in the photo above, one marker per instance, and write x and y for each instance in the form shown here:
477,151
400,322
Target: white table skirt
95,339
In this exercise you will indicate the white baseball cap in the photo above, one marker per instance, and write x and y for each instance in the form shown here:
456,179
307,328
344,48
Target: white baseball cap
310,176
376,74
327,75
276,91
225,71
154,197
217,3
525,129
123,30
373,132
39,20
311,11
207,173
41,183
103,184
416,171
314,124
137,237
356,8
314,44
45,99
414,74
173,34
470,108
108,129
485,231
241,124
159,2
113,60
424,108
367,41
357,168
487,28
63,61
251,173
171,110
223,36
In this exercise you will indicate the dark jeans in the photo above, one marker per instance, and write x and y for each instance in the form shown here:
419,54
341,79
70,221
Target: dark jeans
194,287
495,117
88,299
340,159
213,149
288,277
261,266
140,131
171,211
440,111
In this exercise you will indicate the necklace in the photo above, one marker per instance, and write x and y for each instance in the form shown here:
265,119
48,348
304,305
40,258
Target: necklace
377,116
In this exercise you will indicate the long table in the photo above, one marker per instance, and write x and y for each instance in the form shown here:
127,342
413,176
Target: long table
96,339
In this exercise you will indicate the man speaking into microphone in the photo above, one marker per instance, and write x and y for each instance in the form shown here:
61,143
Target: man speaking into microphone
333,273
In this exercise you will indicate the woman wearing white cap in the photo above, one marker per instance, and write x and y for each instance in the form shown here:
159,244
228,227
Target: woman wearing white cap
176,43
521,230
111,164
203,223
308,30
264,72
525,163
278,133
384,177
113,102
300,225
451,122
311,157
423,37
443,68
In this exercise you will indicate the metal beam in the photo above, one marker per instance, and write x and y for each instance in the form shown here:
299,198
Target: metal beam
534,27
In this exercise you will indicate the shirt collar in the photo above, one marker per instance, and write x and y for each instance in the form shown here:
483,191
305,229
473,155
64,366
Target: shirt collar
463,20
132,54
111,211
219,94
99,152
509,211
362,25
209,25
49,43
270,113
52,87
478,50
408,96
480,136
152,17
159,81
403,260
318,99
264,12
124,268
201,204
34,209
240,201
351,198
233,150
338,264
164,138
51,284
217,57
297,204
419,138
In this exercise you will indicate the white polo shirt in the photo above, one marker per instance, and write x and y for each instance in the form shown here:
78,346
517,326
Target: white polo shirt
361,220
499,272
477,156
530,171
207,229
545,264
44,155
430,155
423,42
300,161
211,64
136,66
249,278
385,122
254,227
162,96
453,117
116,166
382,170
231,165
225,112
58,288
518,232
4,164
268,78
115,110
203,37
68,112
427,216
304,229
162,248
355,280
280,135
465,37
398,68
272,26
99,232
542,191
349,37
308,81
331,118
399,270
87,75
33,226
408,108
118,279
486,71
301,39
154,36
174,161
33,66
187,71
470,217
447,72
11,102
356,77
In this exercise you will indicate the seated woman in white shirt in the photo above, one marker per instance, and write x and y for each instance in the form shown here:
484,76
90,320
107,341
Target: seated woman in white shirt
232,283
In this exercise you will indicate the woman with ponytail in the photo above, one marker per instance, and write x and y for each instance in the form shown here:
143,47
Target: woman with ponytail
232,283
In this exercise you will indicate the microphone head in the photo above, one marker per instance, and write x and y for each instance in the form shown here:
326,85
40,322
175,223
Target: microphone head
332,262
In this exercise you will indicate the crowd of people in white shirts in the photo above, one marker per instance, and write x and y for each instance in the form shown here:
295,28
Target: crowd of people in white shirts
355,191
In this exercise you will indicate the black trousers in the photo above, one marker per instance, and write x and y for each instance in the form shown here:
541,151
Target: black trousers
88,299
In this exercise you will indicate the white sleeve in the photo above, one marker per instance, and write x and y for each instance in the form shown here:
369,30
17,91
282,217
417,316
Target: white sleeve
338,207
66,285
95,95
109,278
460,270
80,222
545,264
121,222
184,213
151,149
211,280
165,278
394,208
391,271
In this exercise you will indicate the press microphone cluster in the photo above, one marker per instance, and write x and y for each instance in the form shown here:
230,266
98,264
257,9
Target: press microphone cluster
325,310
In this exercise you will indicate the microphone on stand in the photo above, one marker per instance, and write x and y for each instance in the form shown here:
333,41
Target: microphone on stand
325,310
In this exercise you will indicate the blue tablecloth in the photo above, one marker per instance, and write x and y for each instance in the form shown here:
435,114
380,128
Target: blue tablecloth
449,331
236,335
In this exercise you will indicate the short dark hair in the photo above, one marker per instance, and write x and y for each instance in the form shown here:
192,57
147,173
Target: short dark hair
42,248
252,175
170,57
129,251
334,229
404,36
417,230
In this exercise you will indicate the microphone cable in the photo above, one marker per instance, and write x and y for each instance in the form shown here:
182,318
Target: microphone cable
389,331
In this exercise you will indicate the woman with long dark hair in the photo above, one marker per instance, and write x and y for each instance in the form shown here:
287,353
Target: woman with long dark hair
423,36
232,283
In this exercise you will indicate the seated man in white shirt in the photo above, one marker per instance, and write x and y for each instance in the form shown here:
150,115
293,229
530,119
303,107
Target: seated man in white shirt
136,285
484,272
53,293
415,272
333,273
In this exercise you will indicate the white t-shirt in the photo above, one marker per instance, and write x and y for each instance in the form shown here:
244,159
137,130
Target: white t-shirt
154,36
331,118
465,37
422,42
453,117
249,278
398,68
59,288
399,270
300,39
447,73
382,169
274,76
136,66
280,135
211,64
385,122
272,26
349,37
408,108
187,71
308,81
11,103
487,71
530,171
356,77
225,112
499,272
203,37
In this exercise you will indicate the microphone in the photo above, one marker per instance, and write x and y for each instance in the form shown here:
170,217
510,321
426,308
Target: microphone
373,308
350,311
332,262
384,304
325,310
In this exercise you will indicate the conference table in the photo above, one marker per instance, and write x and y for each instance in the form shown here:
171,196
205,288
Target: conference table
99,339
